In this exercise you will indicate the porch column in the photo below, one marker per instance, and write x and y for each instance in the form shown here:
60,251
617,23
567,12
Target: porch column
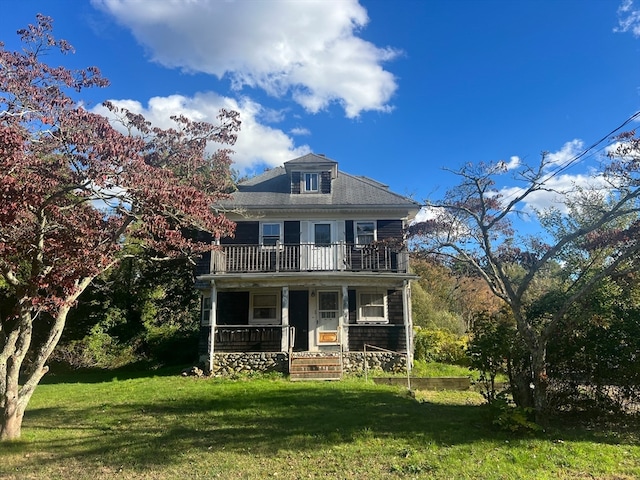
213,315
285,320
344,322
408,322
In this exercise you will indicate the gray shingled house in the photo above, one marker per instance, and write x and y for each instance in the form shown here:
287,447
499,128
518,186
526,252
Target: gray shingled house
316,274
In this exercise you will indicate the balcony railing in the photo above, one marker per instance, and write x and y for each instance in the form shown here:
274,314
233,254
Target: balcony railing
308,257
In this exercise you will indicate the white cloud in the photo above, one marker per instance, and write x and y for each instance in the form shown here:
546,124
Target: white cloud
308,49
257,143
300,131
513,163
628,18
568,152
559,188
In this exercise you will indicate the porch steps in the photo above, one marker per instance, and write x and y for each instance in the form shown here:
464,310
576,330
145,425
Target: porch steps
315,367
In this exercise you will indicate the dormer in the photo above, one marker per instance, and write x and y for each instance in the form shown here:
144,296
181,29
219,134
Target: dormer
311,174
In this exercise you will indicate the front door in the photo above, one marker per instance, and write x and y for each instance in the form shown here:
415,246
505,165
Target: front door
328,319
299,319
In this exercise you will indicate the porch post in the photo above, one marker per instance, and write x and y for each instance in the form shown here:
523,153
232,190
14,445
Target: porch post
213,314
408,323
344,322
285,342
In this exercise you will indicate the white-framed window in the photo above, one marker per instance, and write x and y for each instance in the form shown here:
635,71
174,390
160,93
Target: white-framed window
365,232
265,308
205,319
310,182
372,307
271,234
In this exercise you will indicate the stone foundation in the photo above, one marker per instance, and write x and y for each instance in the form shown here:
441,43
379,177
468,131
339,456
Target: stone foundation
229,364
353,362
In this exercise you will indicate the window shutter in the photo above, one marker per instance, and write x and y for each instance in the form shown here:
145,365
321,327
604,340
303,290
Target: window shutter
325,182
295,182
348,231
247,233
291,233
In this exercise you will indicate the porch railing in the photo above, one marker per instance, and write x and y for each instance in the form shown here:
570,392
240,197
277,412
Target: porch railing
308,257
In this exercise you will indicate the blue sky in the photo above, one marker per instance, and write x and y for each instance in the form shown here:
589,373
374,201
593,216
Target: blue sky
394,90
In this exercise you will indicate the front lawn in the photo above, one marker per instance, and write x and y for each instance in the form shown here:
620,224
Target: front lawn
175,427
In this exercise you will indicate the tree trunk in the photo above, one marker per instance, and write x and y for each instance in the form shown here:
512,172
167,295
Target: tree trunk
11,424
14,396
520,383
540,383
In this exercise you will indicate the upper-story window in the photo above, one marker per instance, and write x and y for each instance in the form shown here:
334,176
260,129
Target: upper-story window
310,182
271,234
365,232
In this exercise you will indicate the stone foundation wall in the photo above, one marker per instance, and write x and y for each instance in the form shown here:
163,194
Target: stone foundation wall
228,364
353,362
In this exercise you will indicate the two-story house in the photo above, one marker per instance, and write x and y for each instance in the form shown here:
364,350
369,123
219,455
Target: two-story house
317,269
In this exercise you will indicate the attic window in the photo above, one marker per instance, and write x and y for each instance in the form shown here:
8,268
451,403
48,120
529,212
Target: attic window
310,182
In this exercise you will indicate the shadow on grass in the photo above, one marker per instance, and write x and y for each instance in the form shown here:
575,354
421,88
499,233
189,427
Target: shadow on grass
63,374
259,417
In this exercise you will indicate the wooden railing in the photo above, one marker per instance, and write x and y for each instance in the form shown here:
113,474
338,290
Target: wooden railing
308,257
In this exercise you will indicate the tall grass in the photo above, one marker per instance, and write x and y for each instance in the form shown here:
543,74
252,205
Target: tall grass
173,427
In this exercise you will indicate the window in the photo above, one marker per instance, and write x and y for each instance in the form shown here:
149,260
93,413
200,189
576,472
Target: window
372,307
322,234
310,182
271,234
365,232
205,320
264,308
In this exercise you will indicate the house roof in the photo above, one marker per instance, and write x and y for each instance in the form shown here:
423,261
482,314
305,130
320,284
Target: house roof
272,190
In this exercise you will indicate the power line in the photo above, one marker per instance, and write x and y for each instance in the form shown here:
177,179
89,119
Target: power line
577,157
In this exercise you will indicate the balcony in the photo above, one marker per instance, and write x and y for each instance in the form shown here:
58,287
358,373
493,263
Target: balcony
308,258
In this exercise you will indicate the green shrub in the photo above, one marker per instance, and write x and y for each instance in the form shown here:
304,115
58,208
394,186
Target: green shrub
440,346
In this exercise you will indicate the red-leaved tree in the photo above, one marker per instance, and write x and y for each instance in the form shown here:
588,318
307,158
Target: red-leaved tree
74,187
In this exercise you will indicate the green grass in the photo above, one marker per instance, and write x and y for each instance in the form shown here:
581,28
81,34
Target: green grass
174,427
434,369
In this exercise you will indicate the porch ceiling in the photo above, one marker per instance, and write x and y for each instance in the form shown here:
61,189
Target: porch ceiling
307,279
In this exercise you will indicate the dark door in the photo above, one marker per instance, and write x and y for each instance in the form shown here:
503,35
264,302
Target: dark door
299,318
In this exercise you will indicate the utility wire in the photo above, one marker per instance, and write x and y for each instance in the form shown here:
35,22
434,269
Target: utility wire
577,157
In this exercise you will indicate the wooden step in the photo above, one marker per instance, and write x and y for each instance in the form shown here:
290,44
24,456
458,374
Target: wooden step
325,367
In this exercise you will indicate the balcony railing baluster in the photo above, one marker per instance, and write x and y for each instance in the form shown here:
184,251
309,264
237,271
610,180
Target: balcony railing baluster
307,257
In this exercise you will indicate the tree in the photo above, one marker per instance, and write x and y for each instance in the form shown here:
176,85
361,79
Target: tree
74,189
140,310
593,236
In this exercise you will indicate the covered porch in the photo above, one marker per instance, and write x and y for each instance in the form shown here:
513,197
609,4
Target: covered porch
292,314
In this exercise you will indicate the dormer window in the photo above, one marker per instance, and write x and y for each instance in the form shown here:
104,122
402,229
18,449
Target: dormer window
310,182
